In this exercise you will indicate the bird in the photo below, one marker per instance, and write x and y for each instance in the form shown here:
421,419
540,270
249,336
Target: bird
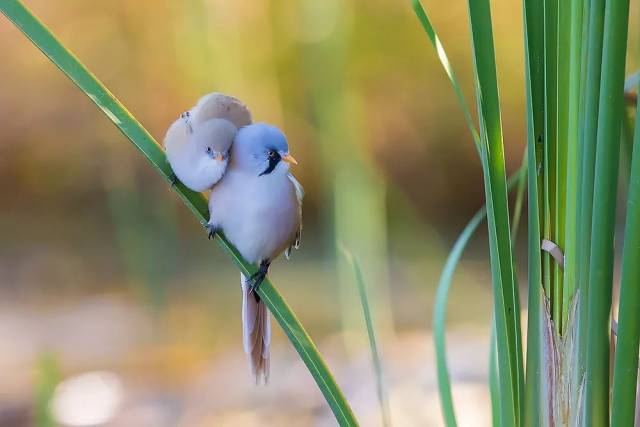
197,144
258,206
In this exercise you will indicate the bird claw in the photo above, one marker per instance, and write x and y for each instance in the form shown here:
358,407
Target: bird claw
211,230
174,180
257,278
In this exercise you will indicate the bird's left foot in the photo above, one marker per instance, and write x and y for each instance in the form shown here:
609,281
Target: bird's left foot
211,230
174,180
257,278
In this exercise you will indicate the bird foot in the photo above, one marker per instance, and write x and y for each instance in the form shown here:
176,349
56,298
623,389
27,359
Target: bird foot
257,278
174,180
211,230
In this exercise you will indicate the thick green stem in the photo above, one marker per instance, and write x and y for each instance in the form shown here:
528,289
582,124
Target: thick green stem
534,78
550,137
604,207
562,99
587,172
571,189
492,156
626,361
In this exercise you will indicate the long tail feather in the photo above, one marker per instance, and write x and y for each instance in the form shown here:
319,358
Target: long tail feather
256,332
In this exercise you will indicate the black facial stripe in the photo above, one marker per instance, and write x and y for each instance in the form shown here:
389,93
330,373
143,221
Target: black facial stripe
273,162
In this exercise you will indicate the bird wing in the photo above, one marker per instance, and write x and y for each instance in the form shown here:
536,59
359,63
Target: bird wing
176,135
299,196
219,106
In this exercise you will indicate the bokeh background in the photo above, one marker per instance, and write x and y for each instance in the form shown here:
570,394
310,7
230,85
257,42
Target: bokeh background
114,307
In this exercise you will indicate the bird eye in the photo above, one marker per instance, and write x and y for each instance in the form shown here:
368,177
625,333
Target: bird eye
208,150
272,154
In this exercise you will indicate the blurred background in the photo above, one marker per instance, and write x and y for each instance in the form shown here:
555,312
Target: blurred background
115,309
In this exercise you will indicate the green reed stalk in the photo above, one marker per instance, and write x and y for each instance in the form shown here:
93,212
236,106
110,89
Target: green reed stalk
494,381
626,361
376,360
588,160
571,184
562,100
604,206
550,138
48,376
442,298
446,277
535,95
492,156
44,40
446,65
440,315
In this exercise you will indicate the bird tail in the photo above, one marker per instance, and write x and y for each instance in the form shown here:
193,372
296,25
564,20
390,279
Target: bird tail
256,331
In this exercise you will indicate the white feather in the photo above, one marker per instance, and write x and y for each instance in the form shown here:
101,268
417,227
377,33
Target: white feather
213,121
259,215
220,106
249,306
256,332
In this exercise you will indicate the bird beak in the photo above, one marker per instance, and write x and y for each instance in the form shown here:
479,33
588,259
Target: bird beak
289,159
219,157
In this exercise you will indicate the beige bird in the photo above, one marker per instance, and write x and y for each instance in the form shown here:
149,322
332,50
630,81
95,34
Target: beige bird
197,144
258,206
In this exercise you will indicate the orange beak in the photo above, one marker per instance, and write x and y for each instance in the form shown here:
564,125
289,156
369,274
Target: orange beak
219,157
289,159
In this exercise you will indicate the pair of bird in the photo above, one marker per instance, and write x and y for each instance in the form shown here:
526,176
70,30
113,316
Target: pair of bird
255,201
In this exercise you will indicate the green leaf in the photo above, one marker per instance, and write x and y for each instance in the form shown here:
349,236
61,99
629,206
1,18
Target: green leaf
371,333
440,315
444,60
494,385
517,206
138,135
440,306
47,378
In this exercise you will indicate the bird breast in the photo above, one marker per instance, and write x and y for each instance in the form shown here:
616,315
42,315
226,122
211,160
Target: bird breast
259,215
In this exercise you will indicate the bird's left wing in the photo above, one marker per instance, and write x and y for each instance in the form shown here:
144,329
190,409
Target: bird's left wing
299,196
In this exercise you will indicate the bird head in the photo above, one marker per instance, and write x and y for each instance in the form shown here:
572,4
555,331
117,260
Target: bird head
211,143
262,149
212,139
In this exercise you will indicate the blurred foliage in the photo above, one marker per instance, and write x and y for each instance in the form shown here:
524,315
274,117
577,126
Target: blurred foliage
48,377
160,57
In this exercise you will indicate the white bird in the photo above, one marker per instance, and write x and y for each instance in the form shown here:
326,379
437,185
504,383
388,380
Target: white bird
258,207
197,144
